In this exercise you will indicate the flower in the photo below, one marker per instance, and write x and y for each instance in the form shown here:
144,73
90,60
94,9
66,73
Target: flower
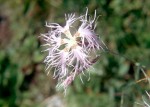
69,54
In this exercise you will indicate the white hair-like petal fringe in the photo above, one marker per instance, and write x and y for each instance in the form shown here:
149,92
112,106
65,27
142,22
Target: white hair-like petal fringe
68,52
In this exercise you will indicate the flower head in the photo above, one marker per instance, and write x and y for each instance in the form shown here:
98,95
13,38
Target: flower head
68,52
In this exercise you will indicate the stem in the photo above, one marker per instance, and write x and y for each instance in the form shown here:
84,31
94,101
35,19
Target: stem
126,57
141,67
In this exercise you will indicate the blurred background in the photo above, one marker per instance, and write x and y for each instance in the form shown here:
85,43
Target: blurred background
116,81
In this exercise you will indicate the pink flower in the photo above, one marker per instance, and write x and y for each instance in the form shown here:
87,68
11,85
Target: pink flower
69,53
86,31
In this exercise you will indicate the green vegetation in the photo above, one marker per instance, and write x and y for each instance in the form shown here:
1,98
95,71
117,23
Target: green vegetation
116,81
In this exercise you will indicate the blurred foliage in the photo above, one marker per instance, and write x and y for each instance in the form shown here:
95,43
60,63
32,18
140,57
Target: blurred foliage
123,25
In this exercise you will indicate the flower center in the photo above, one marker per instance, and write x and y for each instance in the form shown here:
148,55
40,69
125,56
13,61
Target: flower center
70,41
